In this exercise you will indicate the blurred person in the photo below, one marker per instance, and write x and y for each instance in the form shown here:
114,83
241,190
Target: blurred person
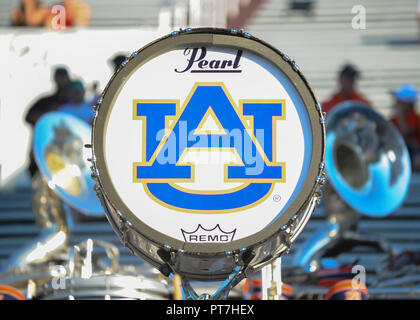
33,13
407,120
52,102
48,104
29,13
78,106
347,89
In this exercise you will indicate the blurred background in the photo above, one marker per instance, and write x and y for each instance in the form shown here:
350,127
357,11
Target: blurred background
65,52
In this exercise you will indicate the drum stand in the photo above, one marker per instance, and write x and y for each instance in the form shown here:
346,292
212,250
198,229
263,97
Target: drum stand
188,292
271,281
271,284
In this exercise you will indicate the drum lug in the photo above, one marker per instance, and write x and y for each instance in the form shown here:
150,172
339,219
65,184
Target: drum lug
167,257
124,237
165,270
285,239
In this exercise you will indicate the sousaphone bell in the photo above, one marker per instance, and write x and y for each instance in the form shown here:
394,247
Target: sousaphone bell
62,187
368,169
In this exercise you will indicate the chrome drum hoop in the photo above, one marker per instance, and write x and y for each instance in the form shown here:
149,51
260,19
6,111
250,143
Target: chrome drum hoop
252,258
250,253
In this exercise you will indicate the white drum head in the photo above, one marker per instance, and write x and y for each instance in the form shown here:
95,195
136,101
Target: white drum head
202,144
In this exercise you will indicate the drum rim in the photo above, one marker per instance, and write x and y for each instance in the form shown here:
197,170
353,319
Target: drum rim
216,38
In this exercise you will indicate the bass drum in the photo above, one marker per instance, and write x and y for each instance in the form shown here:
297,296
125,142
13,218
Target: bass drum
207,150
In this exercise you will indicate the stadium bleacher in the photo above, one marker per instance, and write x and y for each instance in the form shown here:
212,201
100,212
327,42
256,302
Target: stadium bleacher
387,51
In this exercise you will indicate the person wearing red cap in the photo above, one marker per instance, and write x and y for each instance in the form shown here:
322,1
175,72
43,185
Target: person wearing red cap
407,120
347,90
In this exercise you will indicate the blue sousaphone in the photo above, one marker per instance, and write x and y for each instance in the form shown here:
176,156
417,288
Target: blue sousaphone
368,169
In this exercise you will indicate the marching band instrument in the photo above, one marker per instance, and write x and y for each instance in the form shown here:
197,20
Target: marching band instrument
49,268
88,277
271,281
62,187
53,218
85,273
169,198
367,160
108,287
58,149
368,169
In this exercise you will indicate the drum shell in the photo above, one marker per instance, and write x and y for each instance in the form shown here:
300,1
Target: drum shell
210,266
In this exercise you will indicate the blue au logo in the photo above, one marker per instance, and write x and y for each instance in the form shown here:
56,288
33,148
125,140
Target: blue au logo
169,131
